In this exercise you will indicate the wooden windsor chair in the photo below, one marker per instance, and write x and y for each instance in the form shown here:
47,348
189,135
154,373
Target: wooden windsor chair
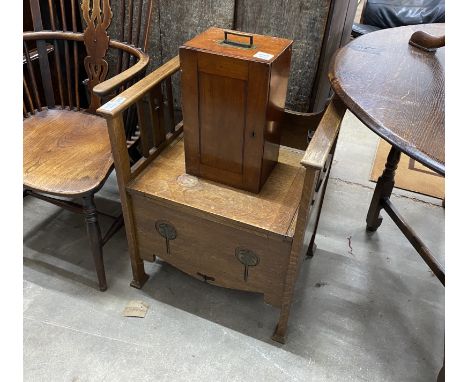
67,153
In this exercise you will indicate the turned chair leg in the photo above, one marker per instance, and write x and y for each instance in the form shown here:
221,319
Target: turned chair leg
383,190
95,239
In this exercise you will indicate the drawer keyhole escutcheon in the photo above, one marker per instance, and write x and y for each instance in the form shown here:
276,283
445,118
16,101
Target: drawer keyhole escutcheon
205,278
167,231
247,258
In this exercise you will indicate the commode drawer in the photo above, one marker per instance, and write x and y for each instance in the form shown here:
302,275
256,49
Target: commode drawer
211,251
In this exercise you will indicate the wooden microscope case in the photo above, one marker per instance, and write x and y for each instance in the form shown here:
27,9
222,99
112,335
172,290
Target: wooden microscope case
233,95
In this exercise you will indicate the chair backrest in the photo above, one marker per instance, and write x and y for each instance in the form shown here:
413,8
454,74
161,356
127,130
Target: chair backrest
396,13
46,79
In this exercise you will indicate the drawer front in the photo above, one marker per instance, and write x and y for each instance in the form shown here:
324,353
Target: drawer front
210,251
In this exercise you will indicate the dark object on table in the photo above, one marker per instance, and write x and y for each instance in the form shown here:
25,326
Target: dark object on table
383,14
233,94
427,42
67,153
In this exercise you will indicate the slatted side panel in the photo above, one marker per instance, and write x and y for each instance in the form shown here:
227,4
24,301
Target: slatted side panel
156,121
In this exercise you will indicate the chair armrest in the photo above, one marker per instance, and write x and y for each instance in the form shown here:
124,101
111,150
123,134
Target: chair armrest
325,136
108,86
134,93
361,29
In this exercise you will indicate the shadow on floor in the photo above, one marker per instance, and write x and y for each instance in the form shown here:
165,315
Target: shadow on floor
356,300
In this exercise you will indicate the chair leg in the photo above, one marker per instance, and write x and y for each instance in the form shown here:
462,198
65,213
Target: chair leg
95,239
383,190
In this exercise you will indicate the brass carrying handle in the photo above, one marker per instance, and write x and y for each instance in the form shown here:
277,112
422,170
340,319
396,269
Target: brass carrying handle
426,42
240,34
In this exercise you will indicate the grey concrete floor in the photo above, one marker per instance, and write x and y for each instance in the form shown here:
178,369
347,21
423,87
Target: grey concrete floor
373,313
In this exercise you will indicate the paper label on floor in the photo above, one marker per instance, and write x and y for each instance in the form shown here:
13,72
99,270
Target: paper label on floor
135,308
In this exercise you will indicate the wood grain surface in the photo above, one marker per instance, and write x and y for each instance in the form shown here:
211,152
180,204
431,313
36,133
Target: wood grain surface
142,87
232,105
206,223
270,212
397,90
211,41
66,152
324,137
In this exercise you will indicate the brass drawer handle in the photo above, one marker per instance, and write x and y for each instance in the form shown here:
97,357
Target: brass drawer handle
167,231
248,258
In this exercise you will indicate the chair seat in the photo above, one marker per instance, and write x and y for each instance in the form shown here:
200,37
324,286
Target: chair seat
65,153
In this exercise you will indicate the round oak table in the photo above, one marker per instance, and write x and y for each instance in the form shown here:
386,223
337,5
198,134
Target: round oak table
398,91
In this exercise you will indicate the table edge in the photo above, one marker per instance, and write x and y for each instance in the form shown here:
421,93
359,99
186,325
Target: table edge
377,128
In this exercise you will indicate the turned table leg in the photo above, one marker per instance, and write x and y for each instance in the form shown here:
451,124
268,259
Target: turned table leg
95,239
383,190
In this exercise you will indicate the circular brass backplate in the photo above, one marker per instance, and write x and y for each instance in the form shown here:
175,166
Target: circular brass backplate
247,257
166,229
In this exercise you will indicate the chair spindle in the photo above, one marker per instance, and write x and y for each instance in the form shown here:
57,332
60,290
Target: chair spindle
149,12
121,36
157,115
170,103
75,56
136,39
58,64
28,95
67,57
32,76
42,54
126,59
144,130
